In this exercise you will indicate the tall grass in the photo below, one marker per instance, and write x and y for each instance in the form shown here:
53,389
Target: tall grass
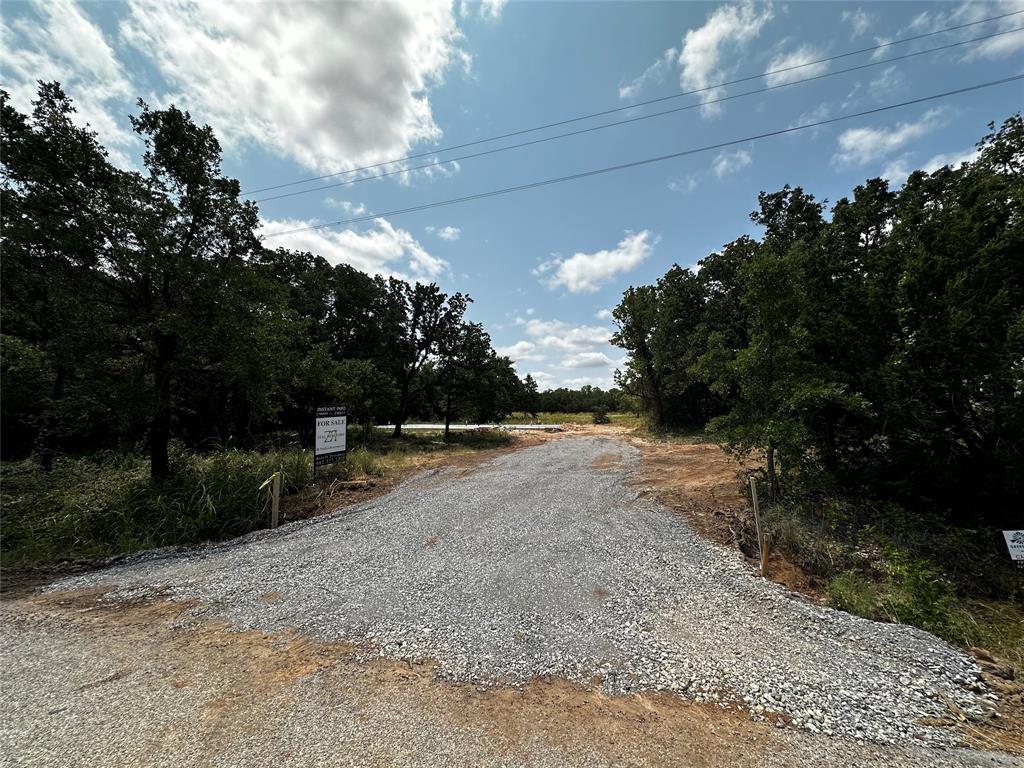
105,504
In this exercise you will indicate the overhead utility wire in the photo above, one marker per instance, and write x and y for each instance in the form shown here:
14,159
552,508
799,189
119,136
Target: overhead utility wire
639,103
649,160
591,129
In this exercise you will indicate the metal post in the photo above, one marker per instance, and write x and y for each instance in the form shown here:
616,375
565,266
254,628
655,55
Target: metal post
275,499
761,550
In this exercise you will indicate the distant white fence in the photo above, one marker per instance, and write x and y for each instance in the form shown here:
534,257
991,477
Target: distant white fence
471,427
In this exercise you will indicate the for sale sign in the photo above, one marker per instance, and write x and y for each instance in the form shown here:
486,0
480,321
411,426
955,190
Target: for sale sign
1015,543
331,421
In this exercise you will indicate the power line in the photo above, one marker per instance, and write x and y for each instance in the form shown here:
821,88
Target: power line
496,150
649,160
638,104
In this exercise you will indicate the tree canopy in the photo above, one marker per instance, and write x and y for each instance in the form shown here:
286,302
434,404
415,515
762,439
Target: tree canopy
877,351
140,306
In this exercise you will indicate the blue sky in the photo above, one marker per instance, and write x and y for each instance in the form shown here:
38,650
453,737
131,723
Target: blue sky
297,90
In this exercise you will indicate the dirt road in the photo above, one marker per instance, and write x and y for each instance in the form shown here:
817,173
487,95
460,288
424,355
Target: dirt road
535,610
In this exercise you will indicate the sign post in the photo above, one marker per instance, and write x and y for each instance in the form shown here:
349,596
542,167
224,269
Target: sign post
1015,543
762,551
329,446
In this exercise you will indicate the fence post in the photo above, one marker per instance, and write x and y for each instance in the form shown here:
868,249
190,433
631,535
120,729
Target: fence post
761,549
275,499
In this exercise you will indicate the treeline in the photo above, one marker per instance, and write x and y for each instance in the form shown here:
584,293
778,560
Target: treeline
586,399
138,307
876,352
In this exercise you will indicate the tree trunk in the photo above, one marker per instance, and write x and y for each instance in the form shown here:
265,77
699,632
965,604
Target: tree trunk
160,425
447,416
403,403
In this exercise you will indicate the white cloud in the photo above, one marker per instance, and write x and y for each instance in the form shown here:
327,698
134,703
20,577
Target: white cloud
63,44
555,334
604,314
899,169
383,250
727,163
521,350
587,360
559,351
264,75
964,13
860,146
449,233
890,80
684,185
726,32
795,65
491,9
656,72
586,272
346,206
859,20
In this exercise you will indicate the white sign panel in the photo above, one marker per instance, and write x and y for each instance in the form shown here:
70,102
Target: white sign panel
1015,543
331,423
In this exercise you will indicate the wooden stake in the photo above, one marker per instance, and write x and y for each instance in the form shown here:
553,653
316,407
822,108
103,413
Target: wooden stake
275,499
762,550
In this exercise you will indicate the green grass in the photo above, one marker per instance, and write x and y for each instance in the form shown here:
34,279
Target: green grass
104,504
887,566
559,417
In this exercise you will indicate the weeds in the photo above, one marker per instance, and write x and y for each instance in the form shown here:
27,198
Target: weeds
105,504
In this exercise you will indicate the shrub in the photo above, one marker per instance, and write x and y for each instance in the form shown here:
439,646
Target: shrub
601,416
851,592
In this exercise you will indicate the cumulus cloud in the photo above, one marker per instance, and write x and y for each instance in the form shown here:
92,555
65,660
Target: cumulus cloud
521,350
859,20
62,43
655,72
449,233
898,170
795,65
586,272
706,49
604,314
861,146
382,250
558,351
727,163
587,360
267,77
556,334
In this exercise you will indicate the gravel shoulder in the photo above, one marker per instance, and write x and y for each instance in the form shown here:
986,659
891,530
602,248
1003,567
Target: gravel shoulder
535,610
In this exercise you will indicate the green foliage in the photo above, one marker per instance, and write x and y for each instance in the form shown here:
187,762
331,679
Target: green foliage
853,593
106,504
601,416
875,354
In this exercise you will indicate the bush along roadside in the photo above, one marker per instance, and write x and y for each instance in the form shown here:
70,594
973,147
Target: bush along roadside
877,561
104,504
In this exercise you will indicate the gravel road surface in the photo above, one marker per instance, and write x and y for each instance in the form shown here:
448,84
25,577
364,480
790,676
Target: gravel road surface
544,563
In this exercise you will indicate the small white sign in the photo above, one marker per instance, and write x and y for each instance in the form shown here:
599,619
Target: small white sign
329,444
1015,543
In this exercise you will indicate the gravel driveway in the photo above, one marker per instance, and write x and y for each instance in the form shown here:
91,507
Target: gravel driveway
547,562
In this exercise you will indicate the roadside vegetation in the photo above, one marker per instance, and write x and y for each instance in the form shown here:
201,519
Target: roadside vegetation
104,503
869,359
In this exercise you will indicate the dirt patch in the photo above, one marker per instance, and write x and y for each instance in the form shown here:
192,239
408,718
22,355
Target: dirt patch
654,729
607,461
706,485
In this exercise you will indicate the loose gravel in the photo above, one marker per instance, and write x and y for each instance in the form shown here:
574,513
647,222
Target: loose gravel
546,562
